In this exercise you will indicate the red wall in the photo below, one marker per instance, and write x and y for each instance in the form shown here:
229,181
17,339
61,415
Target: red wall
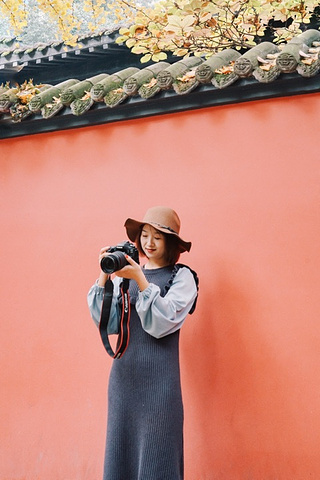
245,181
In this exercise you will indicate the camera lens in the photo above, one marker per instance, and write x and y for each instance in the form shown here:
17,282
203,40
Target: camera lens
113,262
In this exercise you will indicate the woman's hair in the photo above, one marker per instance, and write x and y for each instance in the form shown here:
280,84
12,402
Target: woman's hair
172,247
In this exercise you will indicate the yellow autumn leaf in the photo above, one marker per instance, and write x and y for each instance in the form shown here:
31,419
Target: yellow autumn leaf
121,39
145,58
225,70
118,90
138,50
124,31
266,67
152,83
180,52
187,76
187,21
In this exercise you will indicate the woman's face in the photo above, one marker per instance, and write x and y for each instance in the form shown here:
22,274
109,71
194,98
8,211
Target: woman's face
153,245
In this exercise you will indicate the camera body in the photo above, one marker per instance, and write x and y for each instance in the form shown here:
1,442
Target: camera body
116,258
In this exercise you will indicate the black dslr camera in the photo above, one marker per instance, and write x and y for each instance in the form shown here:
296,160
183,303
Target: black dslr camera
116,258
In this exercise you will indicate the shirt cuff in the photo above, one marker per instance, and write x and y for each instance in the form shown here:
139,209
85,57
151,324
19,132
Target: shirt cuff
146,292
97,289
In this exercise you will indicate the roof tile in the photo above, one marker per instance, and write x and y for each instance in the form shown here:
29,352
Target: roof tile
263,64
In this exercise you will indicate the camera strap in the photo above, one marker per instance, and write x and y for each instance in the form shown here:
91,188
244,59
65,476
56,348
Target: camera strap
124,331
175,270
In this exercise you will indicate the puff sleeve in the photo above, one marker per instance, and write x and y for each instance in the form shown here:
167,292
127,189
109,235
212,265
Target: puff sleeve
95,299
161,316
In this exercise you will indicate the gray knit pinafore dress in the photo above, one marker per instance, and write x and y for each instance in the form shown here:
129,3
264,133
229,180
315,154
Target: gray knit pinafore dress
145,410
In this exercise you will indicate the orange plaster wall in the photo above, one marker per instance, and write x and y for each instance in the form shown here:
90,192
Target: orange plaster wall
245,180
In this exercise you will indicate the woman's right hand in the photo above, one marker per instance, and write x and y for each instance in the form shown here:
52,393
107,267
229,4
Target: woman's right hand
103,277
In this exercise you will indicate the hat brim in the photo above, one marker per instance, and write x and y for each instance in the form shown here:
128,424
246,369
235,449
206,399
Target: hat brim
134,228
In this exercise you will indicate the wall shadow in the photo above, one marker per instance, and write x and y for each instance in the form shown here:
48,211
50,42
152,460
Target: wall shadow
223,353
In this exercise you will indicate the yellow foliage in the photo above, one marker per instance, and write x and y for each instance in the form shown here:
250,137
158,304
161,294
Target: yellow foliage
203,27
183,27
15,12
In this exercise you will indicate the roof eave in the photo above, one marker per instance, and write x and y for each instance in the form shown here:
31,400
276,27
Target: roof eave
245,90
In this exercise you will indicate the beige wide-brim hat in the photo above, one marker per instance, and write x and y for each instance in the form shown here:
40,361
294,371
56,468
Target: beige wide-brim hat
162,218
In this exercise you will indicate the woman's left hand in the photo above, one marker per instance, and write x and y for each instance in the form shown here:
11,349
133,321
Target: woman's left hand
133,271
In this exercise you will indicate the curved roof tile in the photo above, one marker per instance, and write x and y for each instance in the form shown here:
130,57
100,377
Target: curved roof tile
134,91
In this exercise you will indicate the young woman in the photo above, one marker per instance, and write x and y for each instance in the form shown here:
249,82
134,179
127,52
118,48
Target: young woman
145,410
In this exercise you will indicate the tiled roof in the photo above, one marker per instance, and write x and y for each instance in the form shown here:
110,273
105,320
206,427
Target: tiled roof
111,93
12,50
